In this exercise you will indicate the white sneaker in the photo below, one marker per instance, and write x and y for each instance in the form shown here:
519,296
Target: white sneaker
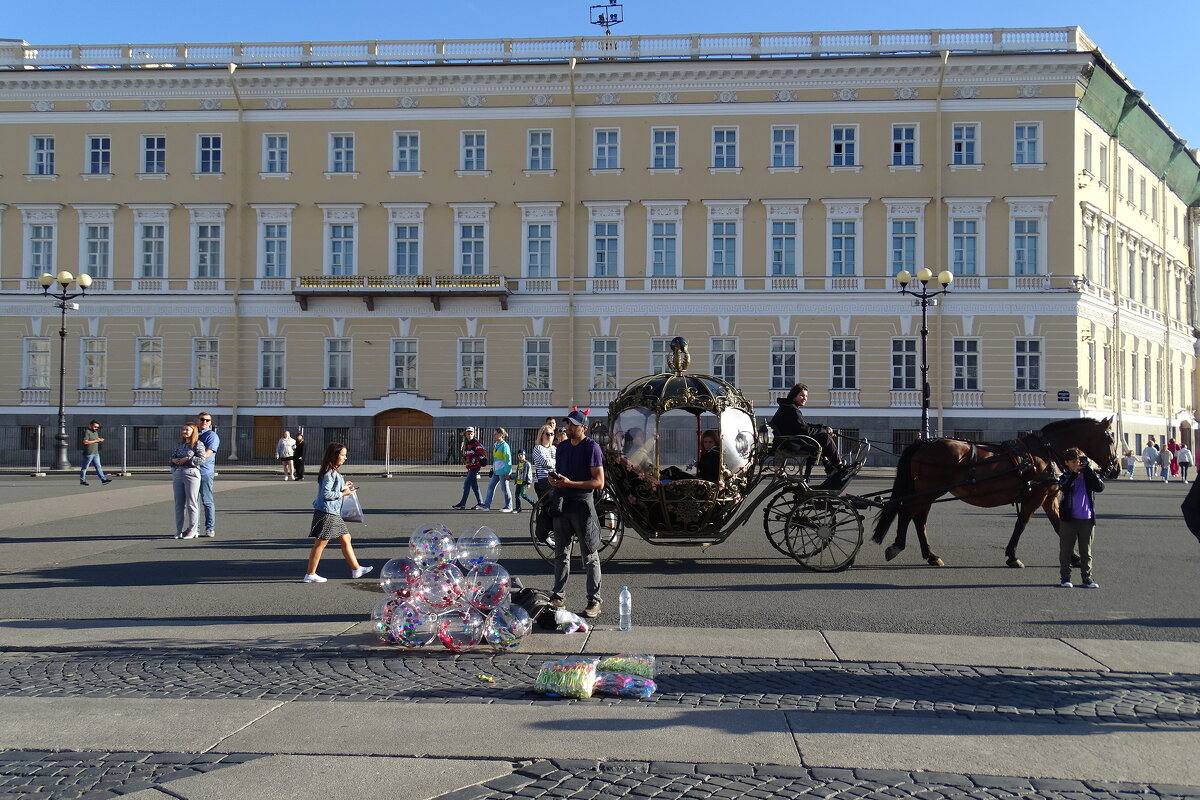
358,573
177,536
314,578
189,535
506,510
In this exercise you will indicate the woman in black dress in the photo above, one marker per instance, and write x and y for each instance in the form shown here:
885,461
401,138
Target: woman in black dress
298,457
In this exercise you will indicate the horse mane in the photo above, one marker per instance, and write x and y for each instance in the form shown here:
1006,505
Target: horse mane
1059,424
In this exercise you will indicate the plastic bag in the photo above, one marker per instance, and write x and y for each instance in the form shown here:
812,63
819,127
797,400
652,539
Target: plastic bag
352,510
567,678
569,621
628,664
622,685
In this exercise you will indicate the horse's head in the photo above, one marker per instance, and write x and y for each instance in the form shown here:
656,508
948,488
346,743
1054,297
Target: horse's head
1094,437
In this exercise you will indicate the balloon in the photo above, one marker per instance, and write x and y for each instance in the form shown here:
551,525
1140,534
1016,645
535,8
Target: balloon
413,624
431,544
487,586
440,586
381,616
399,574
507,627
477,546
460,629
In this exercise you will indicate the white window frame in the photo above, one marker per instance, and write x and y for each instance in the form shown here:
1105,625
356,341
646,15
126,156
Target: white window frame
1029,208
903,160
782,376
144,351
602,353
275,360
202,218
785,155
784,211
965,361
148,216
341,154
98,217
844,210
959,147
1022,159
1027,362
537,363
409,215
606,155
204,145
843,363
539,151
606,212
838,150
472,214
472,153
93,363
340,359
721,159
724,211
340,214
479,366
723,357
660,350
412,145
200,355
276,156
968,209
40,218
664,148
43,160
905,368
542,215
97,147
904,210
36,362
273,215
405,364
147,166
664,212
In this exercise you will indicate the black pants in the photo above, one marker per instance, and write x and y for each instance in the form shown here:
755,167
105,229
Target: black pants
298,465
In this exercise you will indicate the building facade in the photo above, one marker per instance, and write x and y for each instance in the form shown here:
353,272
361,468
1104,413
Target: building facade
425,234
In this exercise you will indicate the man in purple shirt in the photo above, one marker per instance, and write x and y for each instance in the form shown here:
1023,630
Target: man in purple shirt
579,467
1077,512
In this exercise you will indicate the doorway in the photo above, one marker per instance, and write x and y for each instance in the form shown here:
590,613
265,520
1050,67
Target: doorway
412,435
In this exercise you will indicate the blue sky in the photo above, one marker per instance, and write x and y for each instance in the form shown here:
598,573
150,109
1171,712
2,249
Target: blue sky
1153,46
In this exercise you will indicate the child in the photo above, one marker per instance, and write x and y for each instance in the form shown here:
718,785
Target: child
523,476
1130,463
1077,512
327,522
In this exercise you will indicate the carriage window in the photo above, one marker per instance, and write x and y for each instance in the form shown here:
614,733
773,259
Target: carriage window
635,436
737,439
679,433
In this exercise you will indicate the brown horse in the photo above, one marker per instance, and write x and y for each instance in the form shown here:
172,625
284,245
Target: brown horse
990,475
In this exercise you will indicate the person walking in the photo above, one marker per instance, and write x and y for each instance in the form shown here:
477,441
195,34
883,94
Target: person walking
1173,446
91,453
298,458
327,523
1150,458
543,460
1077,517
1129,461
579,473
186,460
522,475
1184,457
501,467
285,451
212,443
473,455
1165,457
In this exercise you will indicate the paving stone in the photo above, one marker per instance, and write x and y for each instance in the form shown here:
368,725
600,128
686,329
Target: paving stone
724,769
1002,782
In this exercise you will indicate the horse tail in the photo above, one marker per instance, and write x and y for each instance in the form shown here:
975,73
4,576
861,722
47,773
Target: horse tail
902,489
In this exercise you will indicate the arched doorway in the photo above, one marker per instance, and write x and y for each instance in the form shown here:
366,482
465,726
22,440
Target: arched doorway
411,435
1187,434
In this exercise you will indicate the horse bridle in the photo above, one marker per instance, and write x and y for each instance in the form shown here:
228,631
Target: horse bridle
1044,441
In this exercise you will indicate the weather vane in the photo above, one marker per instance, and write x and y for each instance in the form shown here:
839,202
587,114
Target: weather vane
607,15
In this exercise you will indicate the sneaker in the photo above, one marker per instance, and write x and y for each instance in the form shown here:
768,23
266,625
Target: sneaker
1089,584
83,483
517,511
506,510
557,602
210,533
314,578
460,508
358,573
177,536
480,507
106,481
189,535
593,609
1066,585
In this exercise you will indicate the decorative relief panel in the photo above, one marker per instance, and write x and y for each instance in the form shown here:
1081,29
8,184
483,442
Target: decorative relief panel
95,215
541,100
967,209
154,104
406,213
785,96
207,214
342,102
845,94
1029,91
664,97
608,99
539,213
275,103
408,101
725,97
210,104
38,215
472,213
42,105
966,92
340,214
97,104
274,214
474,100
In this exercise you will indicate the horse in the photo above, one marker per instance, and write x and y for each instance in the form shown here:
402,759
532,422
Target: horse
989,475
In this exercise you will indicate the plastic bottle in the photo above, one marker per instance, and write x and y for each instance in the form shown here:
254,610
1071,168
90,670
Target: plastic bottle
626,609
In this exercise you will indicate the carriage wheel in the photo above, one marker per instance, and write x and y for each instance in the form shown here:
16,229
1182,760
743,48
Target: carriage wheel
824,532
775,518
612,530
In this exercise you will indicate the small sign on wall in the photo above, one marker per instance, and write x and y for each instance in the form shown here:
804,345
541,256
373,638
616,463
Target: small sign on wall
1064,396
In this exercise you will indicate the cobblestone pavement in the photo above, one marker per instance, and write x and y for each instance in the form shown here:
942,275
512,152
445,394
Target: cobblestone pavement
1156,701
95,775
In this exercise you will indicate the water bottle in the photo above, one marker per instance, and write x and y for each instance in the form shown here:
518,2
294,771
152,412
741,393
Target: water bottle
626,609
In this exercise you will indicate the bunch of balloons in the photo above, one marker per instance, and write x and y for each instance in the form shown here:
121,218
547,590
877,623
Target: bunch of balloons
450,591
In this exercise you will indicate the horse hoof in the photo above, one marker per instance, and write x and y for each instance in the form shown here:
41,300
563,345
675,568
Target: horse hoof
936,561
1016,563
891,552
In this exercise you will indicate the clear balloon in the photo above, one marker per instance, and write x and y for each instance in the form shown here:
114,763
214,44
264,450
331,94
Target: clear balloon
430,545
440,586
487,586
399,574
413,624
507,627
460,629
477,546
381,616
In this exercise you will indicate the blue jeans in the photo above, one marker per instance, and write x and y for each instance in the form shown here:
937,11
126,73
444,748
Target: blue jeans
471,484
206,500
89,461
503,481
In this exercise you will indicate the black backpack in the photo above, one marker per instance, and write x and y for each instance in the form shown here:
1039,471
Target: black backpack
536,603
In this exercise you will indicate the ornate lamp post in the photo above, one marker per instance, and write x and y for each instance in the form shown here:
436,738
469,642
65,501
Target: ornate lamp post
62,295
926,298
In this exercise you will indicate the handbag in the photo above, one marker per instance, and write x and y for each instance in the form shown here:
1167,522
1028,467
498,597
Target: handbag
352,510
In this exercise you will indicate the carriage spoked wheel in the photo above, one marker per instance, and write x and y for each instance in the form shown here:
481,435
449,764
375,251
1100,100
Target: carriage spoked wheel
612,530
824,532
775,518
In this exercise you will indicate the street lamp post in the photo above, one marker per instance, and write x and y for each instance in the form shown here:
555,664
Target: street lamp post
925,298
62,295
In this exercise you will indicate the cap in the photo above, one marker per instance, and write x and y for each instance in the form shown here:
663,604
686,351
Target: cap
468,429
520,452
577,417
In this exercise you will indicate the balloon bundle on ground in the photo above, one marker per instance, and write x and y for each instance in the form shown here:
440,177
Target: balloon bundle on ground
621,675
447,591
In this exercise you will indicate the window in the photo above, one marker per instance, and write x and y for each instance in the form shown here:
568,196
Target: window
1029,365
904,245
41,155
406,249
845,140
208,153
1025,246
41,249
904,365
1147,381
149,363
408,151
275,153
1087,152
337,363
1102,275
275,250
541,151
99,155
404,365
724,359
152,251
965,244
843,241
659,350
341,152
539,261
1129,184
1104,165
966,365
341,249
208,251
664,249
783,146
145,438
37,363
783,247
783,364
725,155
664,149
904,145
1142,195
1154,203
471,364
607,149
1026,143
965,144
204,364
271,357
537,364
844,364
606,242
97,243
154,154
724,252
93,364
474,150
471,250
604,363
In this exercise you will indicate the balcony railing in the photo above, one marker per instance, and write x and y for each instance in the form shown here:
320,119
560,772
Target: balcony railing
535,397
967,399
147,397
204,397
373,287
1029,399
471,398
908,398
844,398
35,397
92,397
272,397
338,397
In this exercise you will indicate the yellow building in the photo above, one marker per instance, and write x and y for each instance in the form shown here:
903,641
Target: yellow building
348,235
